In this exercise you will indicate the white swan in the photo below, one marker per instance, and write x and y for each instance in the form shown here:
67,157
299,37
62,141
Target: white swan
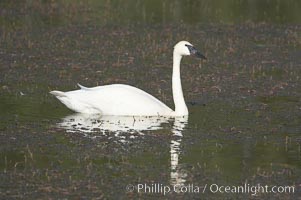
119,99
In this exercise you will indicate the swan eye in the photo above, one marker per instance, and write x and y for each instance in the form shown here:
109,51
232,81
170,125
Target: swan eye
189,47
194,51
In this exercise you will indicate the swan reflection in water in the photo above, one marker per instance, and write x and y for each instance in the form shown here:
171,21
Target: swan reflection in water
177,174
94,126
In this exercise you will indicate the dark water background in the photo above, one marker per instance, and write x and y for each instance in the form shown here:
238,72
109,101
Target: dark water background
244,101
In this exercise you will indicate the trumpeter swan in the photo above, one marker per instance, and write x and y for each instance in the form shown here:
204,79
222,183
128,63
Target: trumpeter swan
119,99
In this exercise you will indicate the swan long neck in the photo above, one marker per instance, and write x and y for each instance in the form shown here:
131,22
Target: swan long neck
180,106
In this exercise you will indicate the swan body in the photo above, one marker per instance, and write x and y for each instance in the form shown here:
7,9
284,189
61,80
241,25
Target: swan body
126,100
116,99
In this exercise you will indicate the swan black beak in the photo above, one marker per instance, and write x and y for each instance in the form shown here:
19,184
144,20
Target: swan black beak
195,52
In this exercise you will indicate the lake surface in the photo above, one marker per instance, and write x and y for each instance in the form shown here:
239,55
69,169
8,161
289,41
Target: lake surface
244,101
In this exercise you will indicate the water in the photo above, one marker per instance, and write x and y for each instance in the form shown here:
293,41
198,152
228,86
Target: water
244,101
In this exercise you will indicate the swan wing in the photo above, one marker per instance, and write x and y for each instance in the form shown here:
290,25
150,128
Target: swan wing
116,99
82,87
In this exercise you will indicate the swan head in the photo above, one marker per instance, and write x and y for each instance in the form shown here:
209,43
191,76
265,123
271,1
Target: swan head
184,48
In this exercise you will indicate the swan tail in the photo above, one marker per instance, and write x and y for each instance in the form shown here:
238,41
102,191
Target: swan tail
74,103
58,93
82,87
65,99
